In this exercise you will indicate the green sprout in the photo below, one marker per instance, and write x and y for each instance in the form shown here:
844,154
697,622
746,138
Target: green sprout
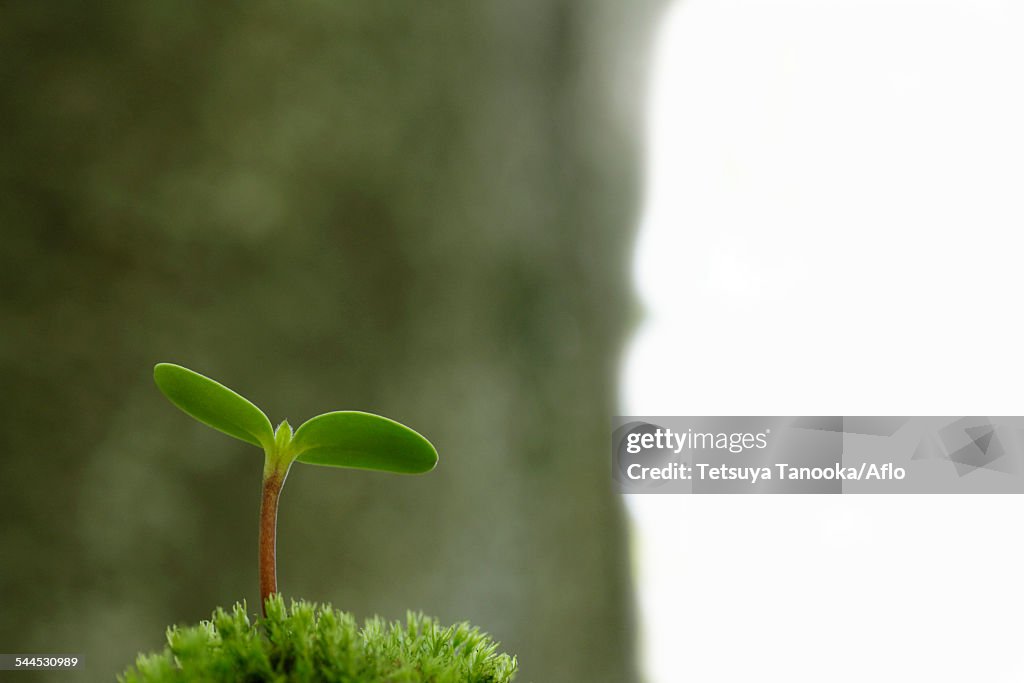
336,439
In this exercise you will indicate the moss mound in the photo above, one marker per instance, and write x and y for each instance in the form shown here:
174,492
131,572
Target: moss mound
309,643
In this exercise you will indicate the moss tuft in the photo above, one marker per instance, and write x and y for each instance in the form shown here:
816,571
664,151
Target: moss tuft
315,643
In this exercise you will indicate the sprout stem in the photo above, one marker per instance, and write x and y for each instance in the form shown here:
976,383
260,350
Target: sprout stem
273,480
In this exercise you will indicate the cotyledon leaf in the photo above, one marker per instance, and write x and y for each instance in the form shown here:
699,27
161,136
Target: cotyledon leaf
364,441
214,404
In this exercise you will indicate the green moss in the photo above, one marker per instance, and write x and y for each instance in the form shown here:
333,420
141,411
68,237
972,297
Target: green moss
316,643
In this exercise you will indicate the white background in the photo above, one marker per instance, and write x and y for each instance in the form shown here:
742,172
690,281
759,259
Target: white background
833,226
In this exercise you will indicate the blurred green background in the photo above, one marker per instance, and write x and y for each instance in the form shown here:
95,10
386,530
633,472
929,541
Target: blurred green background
423,210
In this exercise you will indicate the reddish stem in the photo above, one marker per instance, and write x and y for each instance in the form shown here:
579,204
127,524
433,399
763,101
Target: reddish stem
272,483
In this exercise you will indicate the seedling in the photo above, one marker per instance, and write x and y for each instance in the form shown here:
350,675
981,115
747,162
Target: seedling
336,439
